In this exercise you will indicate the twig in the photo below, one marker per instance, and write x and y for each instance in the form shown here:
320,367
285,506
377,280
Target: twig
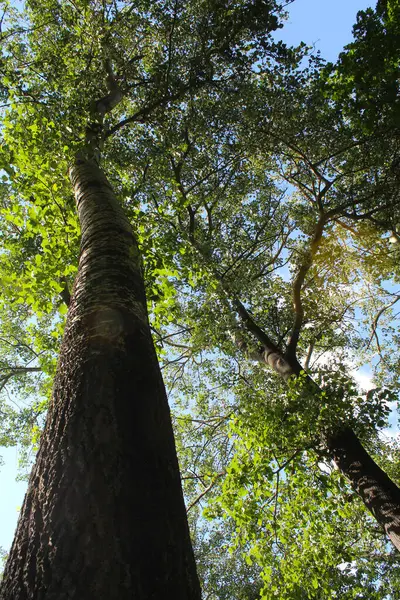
207,489
376,320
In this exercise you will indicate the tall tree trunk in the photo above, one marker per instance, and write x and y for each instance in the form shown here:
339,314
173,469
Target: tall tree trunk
104,516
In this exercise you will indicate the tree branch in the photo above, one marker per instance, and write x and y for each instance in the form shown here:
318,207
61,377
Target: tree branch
298,285
114,96
376,320
207,489
141,115
15,371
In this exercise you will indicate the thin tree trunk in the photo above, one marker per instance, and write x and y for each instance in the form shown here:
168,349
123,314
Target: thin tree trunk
380,495
104,516
378,492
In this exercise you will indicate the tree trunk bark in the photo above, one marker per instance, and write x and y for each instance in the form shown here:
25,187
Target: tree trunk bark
380,495
104,516
378,492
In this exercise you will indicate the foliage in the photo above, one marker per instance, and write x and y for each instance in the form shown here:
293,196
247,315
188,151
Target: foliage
227,156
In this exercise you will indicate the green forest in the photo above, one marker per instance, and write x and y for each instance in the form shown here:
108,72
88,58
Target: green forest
200,245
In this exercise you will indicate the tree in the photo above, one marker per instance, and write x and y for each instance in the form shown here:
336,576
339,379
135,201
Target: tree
211,228
350,174
182,152
104,513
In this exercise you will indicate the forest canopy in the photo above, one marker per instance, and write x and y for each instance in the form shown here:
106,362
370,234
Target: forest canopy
262,186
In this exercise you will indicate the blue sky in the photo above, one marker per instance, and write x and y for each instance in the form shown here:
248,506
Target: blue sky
324,24
11,496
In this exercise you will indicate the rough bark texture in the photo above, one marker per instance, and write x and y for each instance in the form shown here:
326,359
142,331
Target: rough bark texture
104,517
